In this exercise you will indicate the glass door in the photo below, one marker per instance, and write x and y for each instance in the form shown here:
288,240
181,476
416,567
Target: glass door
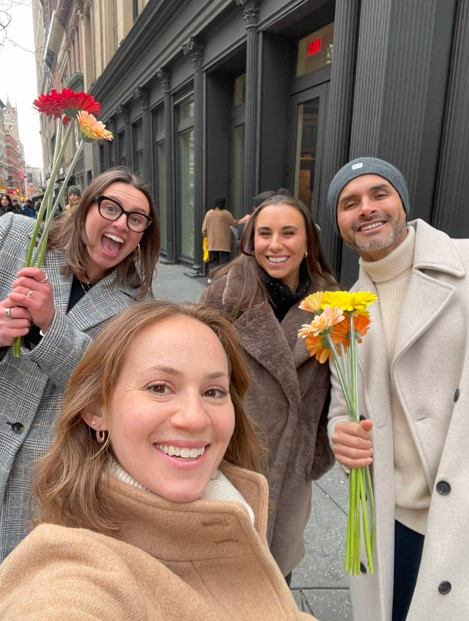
308,117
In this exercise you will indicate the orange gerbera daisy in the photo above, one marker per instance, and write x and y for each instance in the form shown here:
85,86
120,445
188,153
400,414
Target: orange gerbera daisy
313,302
91,128
318,346
340,333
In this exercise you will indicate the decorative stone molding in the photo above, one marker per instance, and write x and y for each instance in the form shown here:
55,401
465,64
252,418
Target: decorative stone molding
142,95
250,11
165,77
124,110
195,50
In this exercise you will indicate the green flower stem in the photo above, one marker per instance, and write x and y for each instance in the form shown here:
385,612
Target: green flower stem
41,249
47,195
46,204
360,486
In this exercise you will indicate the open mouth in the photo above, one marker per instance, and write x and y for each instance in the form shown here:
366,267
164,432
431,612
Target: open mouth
111,244
277,260
181,453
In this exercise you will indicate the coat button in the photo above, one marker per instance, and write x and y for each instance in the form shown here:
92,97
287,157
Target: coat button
443,488
456,395
17,427
444,587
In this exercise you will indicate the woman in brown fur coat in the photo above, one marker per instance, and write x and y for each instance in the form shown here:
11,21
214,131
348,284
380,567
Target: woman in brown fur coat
281,263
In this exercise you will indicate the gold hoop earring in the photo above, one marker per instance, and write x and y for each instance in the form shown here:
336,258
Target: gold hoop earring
137,250
100,436
306,254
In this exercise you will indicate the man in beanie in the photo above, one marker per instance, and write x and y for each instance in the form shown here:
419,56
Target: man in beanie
414,382
74,196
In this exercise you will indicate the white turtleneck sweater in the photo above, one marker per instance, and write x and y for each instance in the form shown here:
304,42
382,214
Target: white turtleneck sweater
218,488
391,276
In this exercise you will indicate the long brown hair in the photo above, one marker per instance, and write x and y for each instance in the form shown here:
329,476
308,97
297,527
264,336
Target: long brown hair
320,273
69,479
68,234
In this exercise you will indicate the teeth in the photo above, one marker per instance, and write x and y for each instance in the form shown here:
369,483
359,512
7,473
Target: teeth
277,259
184,453
114,238
368,227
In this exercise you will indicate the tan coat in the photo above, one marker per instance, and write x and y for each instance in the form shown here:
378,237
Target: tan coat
216,228
430,370
199,560
288,400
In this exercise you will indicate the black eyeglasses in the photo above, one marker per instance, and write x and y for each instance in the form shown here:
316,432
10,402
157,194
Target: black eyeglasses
109,209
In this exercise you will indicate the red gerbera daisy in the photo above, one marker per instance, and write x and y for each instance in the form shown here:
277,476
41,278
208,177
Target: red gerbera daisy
66,103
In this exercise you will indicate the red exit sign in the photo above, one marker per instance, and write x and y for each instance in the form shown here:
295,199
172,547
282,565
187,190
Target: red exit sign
313,47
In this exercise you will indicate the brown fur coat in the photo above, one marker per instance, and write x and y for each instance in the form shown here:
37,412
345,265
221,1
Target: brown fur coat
288,399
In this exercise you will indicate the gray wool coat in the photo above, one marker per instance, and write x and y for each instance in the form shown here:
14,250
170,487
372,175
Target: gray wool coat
430,372
288,399
31,386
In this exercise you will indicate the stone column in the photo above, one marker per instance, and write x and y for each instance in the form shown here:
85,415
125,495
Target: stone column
143,97
251,16
339,115
125,112
165,78
194,49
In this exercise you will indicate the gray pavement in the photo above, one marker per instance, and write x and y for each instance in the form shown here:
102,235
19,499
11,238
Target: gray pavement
319,583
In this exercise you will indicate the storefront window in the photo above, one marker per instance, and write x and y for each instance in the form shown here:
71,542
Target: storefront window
239,94
160,177
161,191
137,142
237,171
186,108
121,148
315,50
307,139
186,189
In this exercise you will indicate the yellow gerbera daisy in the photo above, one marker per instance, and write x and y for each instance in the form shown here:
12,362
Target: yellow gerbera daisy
91,128
356,301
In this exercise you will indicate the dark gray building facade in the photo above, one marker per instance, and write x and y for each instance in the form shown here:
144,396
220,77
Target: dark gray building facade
234,97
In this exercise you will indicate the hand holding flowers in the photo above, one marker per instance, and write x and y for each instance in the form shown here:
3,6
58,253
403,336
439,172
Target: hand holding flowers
73,109
341,320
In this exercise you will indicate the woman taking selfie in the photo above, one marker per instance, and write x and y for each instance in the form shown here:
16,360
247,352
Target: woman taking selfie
98,262
148,504
281,263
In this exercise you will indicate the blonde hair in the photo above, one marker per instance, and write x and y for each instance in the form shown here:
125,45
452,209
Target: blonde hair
69,478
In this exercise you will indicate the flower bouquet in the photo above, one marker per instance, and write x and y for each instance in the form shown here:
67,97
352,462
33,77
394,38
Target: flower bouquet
341,320
71,109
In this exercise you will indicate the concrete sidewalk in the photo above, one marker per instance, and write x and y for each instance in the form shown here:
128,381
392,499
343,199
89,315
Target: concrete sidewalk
319,583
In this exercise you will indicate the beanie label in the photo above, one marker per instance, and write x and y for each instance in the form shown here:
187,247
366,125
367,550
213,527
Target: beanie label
356,166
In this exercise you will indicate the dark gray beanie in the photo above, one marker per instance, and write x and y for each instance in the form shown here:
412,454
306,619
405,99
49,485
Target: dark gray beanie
365,166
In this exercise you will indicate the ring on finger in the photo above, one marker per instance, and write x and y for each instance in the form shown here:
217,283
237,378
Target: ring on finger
29,294
44,280
8,313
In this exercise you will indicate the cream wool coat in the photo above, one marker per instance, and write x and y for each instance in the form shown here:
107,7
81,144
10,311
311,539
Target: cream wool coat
288,400
200,560
430,370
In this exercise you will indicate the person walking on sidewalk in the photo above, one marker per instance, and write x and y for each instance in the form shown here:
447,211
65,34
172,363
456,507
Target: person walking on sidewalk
216,228
414,366
281,263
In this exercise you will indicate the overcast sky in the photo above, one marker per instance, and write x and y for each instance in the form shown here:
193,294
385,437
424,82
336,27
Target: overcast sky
18,74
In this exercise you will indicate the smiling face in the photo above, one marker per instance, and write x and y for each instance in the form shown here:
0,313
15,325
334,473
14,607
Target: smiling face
371,217
110,242
280,242
171,418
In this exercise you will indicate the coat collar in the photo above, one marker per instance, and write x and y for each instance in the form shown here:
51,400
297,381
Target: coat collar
98,304
274,345
150,522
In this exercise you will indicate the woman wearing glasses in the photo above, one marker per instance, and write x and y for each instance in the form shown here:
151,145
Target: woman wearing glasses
98,262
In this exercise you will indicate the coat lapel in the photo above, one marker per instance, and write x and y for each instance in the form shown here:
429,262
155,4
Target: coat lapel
427,297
